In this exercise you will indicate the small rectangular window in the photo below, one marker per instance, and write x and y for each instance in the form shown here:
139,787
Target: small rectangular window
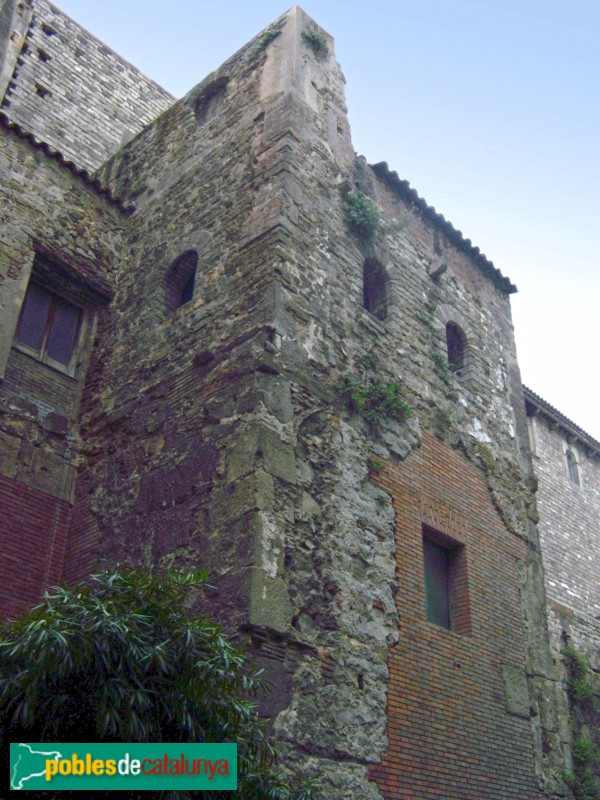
446,586
437,583
49,326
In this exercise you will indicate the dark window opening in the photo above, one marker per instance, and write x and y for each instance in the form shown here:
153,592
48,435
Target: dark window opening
455,341
446,588
42,55
572,469
181,280
437,583
49,326
41,91
375,288
209,101
188,290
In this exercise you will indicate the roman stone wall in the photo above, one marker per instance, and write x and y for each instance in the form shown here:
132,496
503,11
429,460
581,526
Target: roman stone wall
326,333
70,90
175,400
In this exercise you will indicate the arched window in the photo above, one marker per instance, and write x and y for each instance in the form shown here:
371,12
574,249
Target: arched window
180,280
375,288
208,102
572,468
455,342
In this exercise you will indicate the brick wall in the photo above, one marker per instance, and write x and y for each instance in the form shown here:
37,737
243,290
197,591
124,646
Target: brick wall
569,517
569,526
86,119
82,544
33,532
458,726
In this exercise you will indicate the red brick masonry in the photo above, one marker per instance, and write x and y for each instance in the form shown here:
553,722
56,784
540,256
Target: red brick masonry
33,532
450,735
45,541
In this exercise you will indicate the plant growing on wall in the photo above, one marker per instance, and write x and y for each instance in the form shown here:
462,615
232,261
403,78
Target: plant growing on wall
122,658
375,464
425,319
264,41
362,216
367,362
440,363
443,419
316,42
374,401
584,778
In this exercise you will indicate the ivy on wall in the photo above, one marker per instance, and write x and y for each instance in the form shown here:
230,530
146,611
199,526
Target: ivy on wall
584,778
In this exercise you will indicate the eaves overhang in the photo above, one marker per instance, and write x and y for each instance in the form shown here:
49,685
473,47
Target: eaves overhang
91,182
407,193
534,404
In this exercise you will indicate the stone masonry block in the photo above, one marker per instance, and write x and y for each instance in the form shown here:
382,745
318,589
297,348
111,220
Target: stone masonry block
269,602
516,693
260,442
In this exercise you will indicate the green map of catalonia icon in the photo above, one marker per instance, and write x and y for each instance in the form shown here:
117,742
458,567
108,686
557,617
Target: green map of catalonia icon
27,763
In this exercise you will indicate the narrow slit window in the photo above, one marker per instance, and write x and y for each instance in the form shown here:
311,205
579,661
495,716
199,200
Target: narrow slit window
455,342
181,280
572,468
375,288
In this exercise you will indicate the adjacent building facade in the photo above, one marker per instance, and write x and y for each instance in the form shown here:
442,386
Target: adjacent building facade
226,338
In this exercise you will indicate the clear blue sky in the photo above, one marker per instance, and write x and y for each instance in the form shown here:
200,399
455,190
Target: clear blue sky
489,108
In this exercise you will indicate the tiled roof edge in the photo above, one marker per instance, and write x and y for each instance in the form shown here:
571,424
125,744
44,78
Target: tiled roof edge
559,419
404,189
93,183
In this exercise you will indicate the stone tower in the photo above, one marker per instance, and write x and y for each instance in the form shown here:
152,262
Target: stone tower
284,366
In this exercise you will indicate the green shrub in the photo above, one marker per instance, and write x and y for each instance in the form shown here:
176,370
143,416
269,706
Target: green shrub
367,362
584,779
374,401
264,41
375,464
362,216
316,41
578,671
122,658
440,362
